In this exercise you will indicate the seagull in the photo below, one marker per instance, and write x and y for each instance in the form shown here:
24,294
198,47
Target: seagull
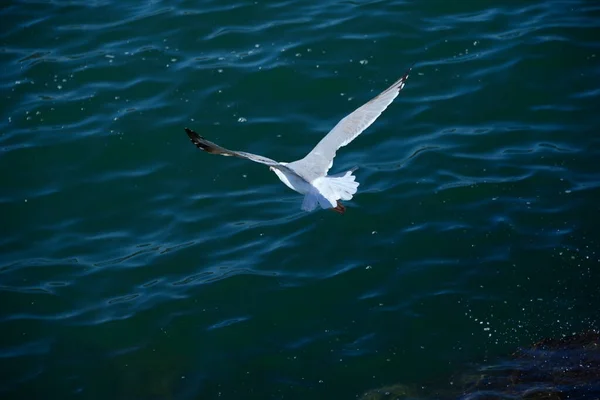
308,176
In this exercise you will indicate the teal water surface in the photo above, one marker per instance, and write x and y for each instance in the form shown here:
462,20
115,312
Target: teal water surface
134,266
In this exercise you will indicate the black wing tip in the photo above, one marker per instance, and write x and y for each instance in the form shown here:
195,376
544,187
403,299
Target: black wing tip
192,134
404,78
203,144
196,139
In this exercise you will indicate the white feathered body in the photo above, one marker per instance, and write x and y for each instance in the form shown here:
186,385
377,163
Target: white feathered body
324,191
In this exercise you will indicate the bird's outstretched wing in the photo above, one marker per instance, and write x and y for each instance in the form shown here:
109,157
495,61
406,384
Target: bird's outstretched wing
320,159
214,148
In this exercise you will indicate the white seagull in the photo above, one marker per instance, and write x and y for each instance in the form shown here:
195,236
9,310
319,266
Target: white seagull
308,176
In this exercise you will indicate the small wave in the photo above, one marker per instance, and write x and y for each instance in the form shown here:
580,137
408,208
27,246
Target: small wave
227,322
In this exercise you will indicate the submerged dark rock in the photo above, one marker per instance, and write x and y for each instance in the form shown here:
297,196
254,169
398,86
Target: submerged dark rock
551,369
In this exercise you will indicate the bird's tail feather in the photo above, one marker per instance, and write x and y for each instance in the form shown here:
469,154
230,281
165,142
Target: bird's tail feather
337,187
343,185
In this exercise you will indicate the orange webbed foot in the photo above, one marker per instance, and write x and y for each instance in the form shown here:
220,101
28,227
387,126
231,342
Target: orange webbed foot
340,208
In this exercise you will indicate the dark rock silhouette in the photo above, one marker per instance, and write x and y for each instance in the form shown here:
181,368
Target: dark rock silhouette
551,369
